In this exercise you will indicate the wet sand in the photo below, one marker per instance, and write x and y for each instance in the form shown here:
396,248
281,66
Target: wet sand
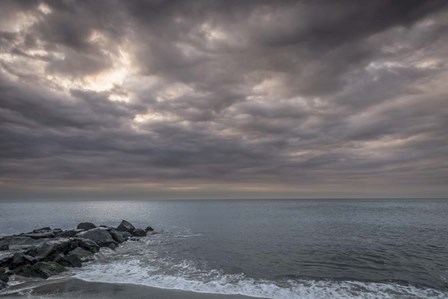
72,288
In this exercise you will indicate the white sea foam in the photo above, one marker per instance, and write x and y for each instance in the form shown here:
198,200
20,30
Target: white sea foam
187,277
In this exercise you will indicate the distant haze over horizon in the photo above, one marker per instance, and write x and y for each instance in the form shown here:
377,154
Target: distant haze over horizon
223,99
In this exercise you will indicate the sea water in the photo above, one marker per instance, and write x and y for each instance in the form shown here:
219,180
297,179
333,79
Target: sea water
335,248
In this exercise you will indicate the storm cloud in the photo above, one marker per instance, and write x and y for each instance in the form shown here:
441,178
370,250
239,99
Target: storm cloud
218,99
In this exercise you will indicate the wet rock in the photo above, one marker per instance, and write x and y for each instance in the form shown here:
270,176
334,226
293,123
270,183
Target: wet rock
44,232
119,236
41,269
70,233
112,246
138,232
2,285
86,225
18,243
19,259
73,260
4,247
86,244
69,260
40,235
149,229
31,251
3,276
39,230
53,247
100,236
5,259
126,226
82,254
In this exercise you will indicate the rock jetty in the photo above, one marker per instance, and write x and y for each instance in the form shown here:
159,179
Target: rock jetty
45,252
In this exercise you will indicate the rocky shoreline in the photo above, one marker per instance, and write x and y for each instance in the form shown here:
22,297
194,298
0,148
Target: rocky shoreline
46,252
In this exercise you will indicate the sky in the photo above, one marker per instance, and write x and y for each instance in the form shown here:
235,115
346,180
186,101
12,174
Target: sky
111,99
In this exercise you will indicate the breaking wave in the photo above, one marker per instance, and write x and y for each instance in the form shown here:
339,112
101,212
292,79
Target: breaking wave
131,264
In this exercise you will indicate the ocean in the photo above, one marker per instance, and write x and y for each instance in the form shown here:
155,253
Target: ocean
316,248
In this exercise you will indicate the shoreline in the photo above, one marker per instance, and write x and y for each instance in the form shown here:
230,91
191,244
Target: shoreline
70,288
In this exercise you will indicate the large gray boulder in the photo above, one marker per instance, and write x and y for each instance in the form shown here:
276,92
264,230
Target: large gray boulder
5,259
44,232
73,260
3,276
126,226
82,254
100,236
41,269
138,232
120,236
39,230
69,260
86,244
70,233
19,243
52,248
86,225
19,259
40,235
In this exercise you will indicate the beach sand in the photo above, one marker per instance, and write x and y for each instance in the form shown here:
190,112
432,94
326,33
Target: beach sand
72,288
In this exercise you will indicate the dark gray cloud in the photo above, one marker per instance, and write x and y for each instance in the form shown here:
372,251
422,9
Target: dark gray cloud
223,98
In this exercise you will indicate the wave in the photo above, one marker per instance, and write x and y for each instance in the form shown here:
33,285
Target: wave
146,269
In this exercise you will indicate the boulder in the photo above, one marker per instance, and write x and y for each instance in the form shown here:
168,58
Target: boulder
40,235
3,276
82,254
149,229
69,260
126,226
41,269
52,248
18,243
100,236
86,225
31,251
39,230
119,236
73,260
6,259
112,246
19,259
70,233
86,244
138,232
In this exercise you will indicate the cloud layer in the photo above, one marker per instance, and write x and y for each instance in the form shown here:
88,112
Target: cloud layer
223,98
